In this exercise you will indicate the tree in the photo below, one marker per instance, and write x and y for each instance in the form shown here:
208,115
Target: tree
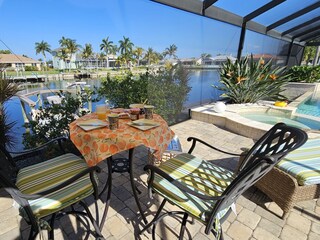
151,56
138,52
125,49
5,52
171,51
107,47
309,53
62,54
205,55
70,47
87,52
43,47
101,57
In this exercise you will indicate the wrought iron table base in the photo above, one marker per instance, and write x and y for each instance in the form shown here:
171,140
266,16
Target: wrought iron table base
120,165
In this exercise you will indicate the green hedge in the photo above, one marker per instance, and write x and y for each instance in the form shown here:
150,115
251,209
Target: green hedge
307,74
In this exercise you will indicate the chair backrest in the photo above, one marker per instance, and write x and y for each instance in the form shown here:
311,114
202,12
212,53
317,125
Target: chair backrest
265,154
280,139
8,167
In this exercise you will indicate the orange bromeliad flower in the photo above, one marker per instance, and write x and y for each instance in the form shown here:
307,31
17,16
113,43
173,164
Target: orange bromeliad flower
261,76
261,62
240,79
273,76
229,74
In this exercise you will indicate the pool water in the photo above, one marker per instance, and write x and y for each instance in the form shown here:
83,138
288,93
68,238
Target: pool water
272,119
310,107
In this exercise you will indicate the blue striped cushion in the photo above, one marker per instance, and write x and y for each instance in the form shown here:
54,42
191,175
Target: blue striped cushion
304,163
45,175
200,176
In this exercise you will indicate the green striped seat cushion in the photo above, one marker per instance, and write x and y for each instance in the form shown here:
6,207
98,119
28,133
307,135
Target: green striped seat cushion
304,163
200,176
45,175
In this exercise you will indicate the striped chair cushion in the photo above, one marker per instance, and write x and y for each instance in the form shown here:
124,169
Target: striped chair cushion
304,163
200,176
45,175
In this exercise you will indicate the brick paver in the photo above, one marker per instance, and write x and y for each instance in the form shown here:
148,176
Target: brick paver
256,218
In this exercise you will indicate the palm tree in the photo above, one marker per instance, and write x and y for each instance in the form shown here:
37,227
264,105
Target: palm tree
87,52
43,47
63,42
205,55
150,55
138,52
62,54
171,51
70,46
125,49
107,47
101,57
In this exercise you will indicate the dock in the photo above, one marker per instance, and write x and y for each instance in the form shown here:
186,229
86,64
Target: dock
25,100
31,78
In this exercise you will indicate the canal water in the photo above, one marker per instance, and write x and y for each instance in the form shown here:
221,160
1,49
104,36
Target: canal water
202,92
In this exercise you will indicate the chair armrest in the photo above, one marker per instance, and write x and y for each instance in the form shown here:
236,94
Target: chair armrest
153,169
89,170
195,140
35,151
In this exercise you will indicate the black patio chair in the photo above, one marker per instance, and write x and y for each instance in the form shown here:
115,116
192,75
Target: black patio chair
207,192
48,189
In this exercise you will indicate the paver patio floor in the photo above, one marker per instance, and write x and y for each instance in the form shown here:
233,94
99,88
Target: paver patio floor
257,217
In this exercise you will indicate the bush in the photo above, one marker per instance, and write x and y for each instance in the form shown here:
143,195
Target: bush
247,81
53,121
121,91
307,74
30,68
166,89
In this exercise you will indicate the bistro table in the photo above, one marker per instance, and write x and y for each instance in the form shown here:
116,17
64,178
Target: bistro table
101,144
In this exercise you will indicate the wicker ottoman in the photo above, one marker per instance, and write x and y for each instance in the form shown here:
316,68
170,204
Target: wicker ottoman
284,190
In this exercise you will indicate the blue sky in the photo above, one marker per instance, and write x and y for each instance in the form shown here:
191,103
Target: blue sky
147,24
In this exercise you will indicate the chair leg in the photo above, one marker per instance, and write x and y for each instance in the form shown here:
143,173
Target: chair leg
32,234
107,186
155,217
51,232
183,226
93,221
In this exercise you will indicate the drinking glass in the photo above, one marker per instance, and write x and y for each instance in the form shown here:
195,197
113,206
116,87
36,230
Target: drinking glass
148,111
101,111
113,121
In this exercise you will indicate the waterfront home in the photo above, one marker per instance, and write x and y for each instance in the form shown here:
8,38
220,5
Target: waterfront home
17,62
76,61
214,61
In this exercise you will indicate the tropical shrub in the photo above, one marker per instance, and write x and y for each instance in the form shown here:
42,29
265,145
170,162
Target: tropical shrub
53,120
122,90
7,91
166,88
307,74
248,81
30,68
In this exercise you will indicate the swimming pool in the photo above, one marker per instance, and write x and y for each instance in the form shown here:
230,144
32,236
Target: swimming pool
310,107
272,119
